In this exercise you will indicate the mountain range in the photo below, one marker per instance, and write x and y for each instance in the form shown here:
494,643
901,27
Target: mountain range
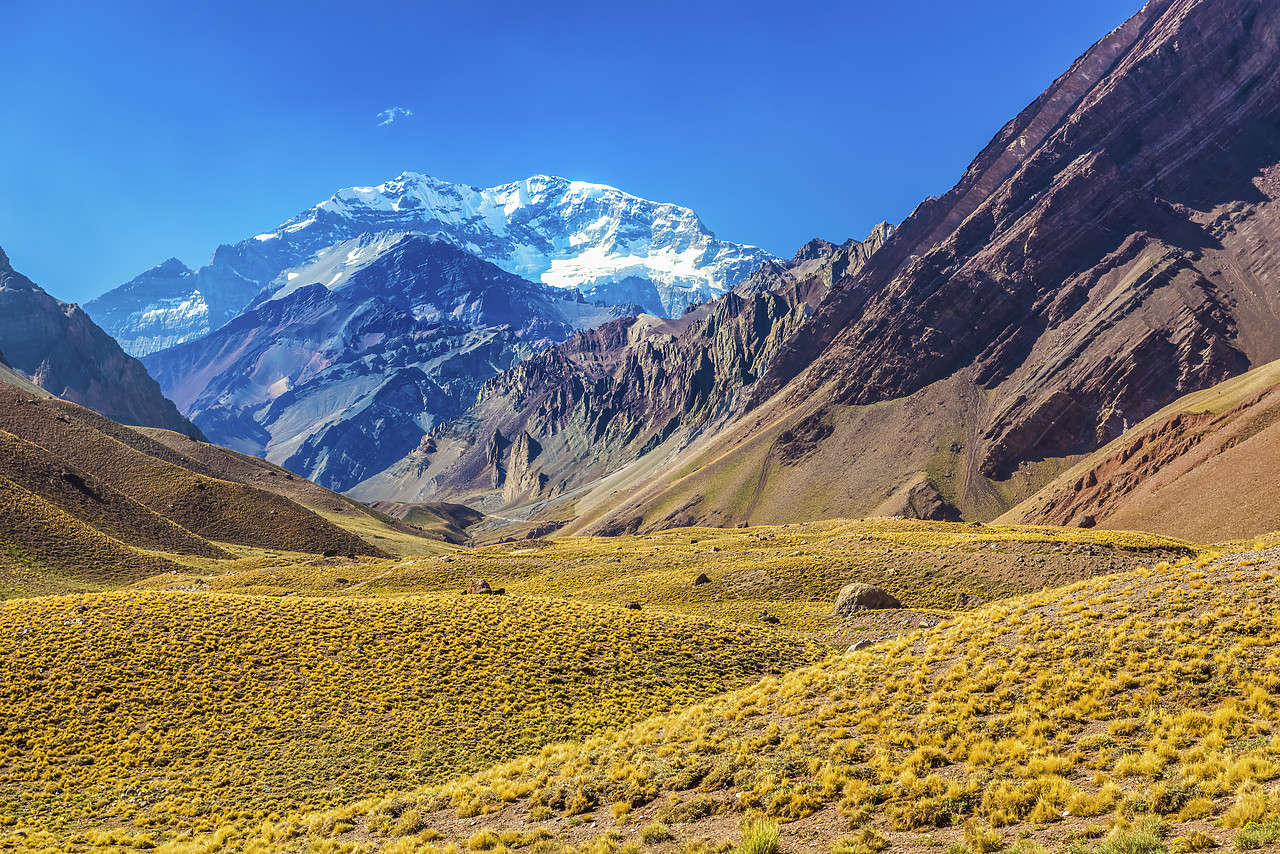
338,381
1111,250
615,247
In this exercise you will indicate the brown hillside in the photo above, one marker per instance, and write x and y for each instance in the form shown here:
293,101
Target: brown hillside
1206,468
97,504
368,522
207,507
450,521
44,550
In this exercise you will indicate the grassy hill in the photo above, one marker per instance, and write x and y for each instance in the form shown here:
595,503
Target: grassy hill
89,504
288,702
792,571
1133,712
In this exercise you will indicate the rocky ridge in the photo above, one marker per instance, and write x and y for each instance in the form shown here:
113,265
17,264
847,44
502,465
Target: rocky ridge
1111,249
58,347
575,412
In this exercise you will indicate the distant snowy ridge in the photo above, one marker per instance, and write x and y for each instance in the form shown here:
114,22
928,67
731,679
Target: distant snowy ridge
551,230
614,247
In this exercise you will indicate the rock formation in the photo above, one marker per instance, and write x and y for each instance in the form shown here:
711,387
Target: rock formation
863,597
619,392
58,347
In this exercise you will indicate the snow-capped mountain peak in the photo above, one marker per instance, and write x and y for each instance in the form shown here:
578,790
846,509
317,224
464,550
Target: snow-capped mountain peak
565,233
614,247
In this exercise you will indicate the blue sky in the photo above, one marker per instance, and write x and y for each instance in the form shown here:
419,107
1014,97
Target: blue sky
135,130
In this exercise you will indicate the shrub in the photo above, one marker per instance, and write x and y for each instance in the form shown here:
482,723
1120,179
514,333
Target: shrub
759,836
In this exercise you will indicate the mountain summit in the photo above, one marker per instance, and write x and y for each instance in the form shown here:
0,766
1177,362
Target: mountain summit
58,347
611,245
615,247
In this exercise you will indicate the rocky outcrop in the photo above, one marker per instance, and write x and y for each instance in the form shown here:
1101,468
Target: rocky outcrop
863,597
1112,248
58,347
522,480
619,392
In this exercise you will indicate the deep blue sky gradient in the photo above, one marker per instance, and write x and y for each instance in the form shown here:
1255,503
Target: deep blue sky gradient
133,131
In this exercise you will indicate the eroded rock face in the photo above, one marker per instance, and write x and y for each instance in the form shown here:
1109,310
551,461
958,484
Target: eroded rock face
616,393
863,597
1199,475
57,346
1115,246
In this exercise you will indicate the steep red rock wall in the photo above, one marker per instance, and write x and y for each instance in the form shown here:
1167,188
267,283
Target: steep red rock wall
1112,248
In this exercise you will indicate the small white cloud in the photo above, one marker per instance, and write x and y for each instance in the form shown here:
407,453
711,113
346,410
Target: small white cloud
389,115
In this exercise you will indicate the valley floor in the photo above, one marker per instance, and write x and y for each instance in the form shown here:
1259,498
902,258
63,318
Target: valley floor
1041,689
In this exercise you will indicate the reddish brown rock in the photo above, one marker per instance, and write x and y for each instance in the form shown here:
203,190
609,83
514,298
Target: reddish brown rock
1113,247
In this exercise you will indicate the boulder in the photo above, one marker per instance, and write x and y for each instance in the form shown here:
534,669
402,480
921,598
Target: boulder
478,585
701,579
632,606
863,597
766,617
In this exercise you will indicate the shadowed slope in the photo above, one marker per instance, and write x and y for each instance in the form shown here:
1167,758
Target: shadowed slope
63,351
1204,467
154,476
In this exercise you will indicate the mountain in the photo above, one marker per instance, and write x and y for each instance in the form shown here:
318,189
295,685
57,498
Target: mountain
342,371
615,247
614,394
1112,249
90,503
59,348
1205,466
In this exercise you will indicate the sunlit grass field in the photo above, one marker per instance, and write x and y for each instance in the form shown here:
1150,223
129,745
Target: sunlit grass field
182,711
793,571
283,702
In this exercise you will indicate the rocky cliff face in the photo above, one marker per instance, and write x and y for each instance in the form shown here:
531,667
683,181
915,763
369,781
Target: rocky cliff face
58,347
608,396
1113,247
339,381
614,247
